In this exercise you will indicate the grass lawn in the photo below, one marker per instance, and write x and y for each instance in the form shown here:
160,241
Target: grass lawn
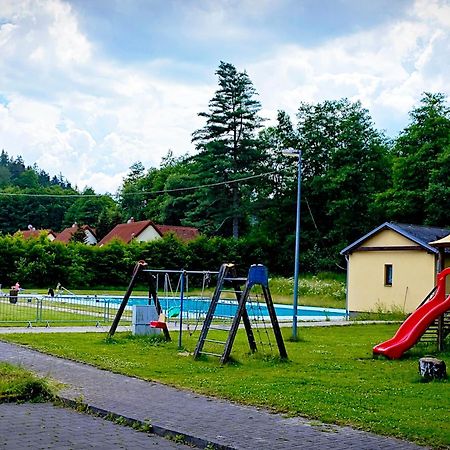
17,384
331,376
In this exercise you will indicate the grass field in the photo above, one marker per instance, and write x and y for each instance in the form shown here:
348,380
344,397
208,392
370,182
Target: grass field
330,376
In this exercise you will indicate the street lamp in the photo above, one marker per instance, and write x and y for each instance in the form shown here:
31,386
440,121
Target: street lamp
296,153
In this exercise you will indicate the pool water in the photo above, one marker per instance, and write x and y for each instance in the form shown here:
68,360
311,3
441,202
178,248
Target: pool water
195,306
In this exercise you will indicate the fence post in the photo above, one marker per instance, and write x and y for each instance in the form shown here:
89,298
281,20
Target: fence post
106,311
39,309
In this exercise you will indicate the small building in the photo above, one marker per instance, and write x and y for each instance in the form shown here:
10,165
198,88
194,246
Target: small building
33,233
393,267
66,235
146,230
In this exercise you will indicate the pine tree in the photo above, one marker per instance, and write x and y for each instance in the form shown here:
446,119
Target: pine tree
228,148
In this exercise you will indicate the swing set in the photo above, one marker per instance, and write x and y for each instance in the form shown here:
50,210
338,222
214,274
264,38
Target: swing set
233,300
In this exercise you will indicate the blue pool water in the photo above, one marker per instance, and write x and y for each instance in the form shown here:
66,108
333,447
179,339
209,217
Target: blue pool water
195,306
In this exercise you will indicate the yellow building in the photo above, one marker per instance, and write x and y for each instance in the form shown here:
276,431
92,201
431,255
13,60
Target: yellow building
393,267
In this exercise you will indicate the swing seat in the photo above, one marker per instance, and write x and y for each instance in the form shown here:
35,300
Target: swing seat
158,324
174,311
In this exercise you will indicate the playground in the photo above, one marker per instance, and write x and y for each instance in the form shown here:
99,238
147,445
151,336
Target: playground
329,374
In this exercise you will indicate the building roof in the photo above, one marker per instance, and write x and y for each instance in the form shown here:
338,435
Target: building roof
444,242
419,234
126,232
185,234
35,233
67,234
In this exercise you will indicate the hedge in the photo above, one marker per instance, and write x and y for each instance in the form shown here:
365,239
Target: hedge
37,262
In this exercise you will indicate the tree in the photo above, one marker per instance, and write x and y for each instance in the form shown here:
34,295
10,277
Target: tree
87,209
277,190
345,165
228,150
419,189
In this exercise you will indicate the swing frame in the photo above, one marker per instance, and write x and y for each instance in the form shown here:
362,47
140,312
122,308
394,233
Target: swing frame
142,266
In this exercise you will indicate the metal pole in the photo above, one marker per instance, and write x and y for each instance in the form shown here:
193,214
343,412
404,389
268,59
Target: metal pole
182,287
297,248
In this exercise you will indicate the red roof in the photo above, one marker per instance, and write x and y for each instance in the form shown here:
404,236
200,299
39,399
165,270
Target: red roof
66,234
126,232
34,233
185,234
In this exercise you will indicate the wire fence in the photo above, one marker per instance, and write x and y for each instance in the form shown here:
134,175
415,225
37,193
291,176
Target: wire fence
45,310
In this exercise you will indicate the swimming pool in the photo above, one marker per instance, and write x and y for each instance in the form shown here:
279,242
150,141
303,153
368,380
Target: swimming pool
193,306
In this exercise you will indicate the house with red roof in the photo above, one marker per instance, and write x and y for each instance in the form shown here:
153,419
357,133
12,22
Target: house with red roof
66,235
146,230
33,233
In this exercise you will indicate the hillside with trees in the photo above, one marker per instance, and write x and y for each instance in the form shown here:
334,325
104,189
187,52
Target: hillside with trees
239,184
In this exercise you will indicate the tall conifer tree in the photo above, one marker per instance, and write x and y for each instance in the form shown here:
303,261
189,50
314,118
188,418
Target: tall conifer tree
228,150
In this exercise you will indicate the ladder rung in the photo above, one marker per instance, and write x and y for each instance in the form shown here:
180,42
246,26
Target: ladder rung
211,354
215,341
212,327
231,291
243,280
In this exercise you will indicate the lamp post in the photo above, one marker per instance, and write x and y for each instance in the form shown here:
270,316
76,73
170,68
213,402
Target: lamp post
296,153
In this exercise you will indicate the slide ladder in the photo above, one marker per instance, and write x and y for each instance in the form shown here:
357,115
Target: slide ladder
438,330
241,287
431,315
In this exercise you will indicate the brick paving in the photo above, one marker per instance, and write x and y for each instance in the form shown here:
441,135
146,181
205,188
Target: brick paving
200,419
45,426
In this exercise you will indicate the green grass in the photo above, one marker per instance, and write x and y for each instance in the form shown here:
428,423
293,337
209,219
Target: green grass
17,384
331,376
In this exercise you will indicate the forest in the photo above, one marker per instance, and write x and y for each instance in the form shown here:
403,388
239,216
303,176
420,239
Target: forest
239,183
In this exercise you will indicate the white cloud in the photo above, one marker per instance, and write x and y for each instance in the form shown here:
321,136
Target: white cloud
95,118
387,68
72,110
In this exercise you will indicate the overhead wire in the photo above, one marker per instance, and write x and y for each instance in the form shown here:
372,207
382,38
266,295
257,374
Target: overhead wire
126,194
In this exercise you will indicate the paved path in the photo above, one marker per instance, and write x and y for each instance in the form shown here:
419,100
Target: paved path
175,327
45,426
201,419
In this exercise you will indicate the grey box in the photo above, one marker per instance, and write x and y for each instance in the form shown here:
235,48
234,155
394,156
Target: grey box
142,316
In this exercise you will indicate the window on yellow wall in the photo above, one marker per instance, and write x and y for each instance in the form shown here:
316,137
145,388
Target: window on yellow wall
388,274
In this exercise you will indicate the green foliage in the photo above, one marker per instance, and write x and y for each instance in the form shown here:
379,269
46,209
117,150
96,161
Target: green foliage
38,262
353,178
228,150
17,384
86,210
419,192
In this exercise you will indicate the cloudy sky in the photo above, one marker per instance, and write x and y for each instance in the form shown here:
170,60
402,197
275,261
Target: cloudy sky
88,87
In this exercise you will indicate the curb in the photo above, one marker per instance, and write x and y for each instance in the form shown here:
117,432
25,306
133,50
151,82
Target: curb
140,425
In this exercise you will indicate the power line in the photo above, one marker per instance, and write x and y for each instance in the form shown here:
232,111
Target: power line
126,194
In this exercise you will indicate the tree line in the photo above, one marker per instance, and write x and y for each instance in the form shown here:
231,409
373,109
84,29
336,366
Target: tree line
239,183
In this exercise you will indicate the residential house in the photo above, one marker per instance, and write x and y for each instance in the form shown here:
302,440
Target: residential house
66,235
393,267
146,230
33,233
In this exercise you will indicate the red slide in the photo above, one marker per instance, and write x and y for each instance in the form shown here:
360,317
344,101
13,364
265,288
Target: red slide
417,323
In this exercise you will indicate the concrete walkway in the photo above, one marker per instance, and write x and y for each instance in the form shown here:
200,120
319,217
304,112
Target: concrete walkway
200,419
175,326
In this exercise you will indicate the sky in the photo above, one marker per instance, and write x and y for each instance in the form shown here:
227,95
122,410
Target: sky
90,87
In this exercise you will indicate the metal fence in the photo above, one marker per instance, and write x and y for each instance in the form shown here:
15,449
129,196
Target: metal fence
46,310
